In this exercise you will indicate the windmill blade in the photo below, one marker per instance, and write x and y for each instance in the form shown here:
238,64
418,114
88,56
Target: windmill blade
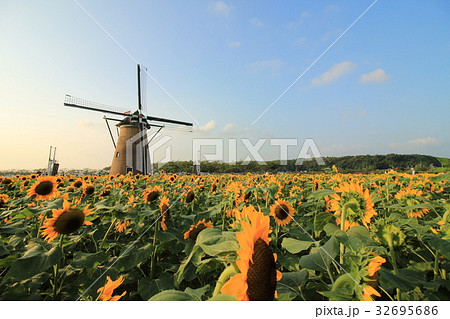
142,88
176,128
163,120
93,106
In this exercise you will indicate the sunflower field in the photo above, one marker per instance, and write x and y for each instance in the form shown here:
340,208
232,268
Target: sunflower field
327,236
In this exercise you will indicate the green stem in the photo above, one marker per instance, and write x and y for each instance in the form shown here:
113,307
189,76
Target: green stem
393,261
40,225
56,270
229,272
223,216
436,266
387,294
152,261
341,245
107,232
437,256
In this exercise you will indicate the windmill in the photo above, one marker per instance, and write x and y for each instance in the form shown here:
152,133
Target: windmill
131,150
53,165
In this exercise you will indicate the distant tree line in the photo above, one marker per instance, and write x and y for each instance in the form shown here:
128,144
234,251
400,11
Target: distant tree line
358,163
345,164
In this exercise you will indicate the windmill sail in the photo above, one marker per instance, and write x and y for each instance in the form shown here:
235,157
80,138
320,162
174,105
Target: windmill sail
131,150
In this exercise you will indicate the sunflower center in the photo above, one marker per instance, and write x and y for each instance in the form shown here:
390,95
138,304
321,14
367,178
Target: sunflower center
152,196
193,234
77,183
190,196
44,188
261,275
69,221
89,190
282,212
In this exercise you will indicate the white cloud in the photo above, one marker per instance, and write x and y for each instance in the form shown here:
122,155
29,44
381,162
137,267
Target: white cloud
208,127
236,44
331,8
354,114
334,73
379,75
303,16
232,130
273,65
424,141
229,128
299,41
416,143
256,22
331,35
220,7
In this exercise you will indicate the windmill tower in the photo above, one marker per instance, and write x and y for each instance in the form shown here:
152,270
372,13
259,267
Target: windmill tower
53,165
131,152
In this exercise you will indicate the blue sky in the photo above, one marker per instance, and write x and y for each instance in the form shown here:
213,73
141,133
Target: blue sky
382,88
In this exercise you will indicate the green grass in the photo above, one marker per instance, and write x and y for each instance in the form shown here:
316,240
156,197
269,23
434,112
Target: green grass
444,161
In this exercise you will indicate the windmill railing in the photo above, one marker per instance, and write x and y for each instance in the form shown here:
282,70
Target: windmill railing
94,106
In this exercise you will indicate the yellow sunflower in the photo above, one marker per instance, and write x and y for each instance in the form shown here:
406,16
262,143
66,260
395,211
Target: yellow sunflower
258,276
3,199
193,232
190,196
44,188
65,221
357,201
108,289
120,227
78,183
165,211
150,194
282,211
369,291
409,197
88,189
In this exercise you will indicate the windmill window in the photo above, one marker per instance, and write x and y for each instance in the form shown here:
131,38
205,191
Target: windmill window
117,154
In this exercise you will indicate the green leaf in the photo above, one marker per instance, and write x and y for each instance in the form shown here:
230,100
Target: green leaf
148,287
197,293
288,261
11,230
441,245
295,246
87,260
180,274
8,261
291,284
321,193
222,297
34,261
3,249
346,283
359,232
132,257
322,258
208,265
395,281
23,214
331,229
165,236
214,242
172,295
322,219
